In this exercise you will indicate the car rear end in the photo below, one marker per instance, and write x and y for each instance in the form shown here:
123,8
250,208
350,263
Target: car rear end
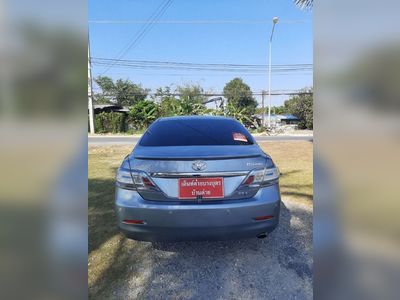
193,178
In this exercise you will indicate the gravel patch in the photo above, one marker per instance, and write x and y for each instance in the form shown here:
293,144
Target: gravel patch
278,267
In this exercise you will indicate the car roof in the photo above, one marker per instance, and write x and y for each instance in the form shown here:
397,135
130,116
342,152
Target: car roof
180,118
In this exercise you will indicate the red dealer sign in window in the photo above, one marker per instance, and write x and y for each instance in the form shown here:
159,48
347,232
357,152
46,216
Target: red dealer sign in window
239,137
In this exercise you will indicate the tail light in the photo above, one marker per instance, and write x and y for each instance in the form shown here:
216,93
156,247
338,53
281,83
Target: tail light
262,177
262,218
271,175
124,179
134,180
131,222
142,180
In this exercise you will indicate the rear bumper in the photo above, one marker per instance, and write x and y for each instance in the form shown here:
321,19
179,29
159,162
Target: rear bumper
178,222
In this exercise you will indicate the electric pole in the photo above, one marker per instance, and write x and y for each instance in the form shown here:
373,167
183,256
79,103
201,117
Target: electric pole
263,108
90,92
274,21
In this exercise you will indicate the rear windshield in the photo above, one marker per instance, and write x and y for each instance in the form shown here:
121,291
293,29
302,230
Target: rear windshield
196,132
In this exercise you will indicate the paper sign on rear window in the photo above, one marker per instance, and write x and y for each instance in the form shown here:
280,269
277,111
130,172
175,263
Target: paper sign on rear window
239,137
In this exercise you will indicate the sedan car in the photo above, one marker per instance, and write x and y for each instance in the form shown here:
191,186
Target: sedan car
197,178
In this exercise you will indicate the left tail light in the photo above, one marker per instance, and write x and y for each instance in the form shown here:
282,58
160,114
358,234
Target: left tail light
142,180
124,179
134,179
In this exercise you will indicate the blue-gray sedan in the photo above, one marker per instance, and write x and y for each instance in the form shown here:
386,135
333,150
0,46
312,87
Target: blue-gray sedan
197,178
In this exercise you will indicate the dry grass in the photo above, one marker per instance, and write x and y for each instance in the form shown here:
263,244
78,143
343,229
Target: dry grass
295,162
108,248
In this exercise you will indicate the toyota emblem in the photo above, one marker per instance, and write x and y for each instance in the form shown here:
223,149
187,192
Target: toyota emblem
199,165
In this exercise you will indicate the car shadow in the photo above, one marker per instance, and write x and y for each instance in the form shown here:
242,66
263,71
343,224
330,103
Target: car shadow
101,215
287,173
292,190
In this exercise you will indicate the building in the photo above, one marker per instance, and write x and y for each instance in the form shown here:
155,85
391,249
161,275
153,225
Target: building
99,108
284,119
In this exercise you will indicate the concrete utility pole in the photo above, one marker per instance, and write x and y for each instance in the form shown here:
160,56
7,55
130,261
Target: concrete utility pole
263,108
90,93
274,21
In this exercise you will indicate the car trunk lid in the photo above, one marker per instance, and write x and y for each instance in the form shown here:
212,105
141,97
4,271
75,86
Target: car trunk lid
167,165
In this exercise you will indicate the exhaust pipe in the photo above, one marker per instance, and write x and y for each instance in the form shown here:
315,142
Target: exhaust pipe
261,236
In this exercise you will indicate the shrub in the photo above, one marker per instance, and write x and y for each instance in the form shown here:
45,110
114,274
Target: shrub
110,122
142,114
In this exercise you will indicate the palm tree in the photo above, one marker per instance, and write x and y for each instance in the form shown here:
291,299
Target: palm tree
304,3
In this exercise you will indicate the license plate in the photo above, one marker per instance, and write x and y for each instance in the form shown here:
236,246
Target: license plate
204,188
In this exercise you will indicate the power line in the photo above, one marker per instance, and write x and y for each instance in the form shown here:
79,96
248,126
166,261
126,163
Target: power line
143,30
140,64
286,70
242,71
148,26
209,75
199,22
277,93
197,64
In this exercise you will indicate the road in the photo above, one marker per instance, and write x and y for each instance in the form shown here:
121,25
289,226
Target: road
127,140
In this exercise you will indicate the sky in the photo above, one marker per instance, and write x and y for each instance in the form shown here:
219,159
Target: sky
238,33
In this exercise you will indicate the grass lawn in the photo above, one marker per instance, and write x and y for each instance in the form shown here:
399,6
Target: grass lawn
108,248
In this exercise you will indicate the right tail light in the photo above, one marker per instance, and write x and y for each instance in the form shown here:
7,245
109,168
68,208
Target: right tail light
264,177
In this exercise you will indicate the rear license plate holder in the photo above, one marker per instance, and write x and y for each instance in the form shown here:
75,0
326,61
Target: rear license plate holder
201,188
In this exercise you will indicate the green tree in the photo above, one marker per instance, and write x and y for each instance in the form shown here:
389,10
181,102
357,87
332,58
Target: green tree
277,110
101,98
105,83
163,93
239,94
191,93
301,106
169,103
191,98
142,114
189,102
121,92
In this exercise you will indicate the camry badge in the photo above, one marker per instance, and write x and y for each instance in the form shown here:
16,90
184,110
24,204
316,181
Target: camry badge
199,165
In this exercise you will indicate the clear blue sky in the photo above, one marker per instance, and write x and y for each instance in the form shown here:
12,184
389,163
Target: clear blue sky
238,43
